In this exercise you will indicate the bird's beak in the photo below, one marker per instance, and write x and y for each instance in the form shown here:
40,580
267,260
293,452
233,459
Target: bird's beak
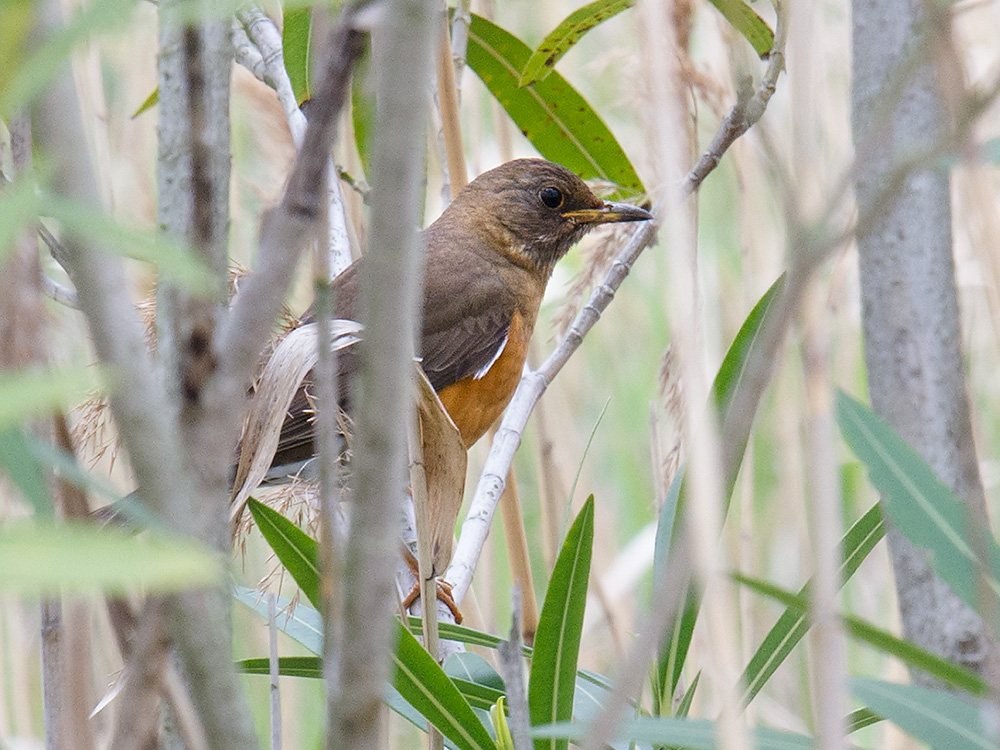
609,213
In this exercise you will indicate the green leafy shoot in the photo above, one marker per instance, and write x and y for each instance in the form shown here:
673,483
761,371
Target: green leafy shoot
148,103
729,379
566,34
793,624
552,681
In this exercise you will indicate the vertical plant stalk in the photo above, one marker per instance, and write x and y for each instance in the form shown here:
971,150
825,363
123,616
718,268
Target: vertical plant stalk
910,304
829,653
22,319
193,179
671,147
145,664
517,553
272,660
389,290
53,695
451,124
828,656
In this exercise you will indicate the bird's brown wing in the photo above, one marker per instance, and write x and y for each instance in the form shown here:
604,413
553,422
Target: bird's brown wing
467,315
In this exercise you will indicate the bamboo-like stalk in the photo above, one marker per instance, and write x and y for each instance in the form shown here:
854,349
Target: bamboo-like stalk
451,125
829,652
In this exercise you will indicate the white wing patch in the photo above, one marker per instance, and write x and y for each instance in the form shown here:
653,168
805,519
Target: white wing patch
481,372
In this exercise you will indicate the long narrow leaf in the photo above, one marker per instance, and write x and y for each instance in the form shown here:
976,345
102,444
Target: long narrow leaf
937,717
296,24
32,392
690,734
170,258
551,114
884,641
673,652
920,505
859,719
288,666
552,681
425,686
793,624
746,21
45,559
25,470
561,39
295,549
300,622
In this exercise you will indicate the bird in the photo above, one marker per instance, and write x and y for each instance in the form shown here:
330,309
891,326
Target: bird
486,263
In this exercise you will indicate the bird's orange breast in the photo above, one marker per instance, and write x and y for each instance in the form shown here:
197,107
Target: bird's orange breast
475,403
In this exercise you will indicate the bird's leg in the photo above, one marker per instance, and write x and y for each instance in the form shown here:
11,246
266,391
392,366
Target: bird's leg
443,587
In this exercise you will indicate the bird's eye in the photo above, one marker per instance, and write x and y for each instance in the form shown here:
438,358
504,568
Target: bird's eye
551,197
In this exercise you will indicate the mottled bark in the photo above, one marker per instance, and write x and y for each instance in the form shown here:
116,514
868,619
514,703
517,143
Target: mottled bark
910,305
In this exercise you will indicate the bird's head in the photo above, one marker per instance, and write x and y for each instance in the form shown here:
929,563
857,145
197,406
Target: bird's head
533,211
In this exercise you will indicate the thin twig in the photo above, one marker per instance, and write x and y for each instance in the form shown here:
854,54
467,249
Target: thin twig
273,672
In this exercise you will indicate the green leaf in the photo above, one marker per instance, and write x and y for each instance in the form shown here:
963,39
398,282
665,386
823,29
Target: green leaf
498,717
566,34
425,686
295,39
920,505
299,622
148,103
551,114
859,719
746,21
34,392
690,734
174,261
685,705
47,559
793,624
288,666
937,717
552,680
733,369
666,656
363,109
25,470
295,549
906,651
729,379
